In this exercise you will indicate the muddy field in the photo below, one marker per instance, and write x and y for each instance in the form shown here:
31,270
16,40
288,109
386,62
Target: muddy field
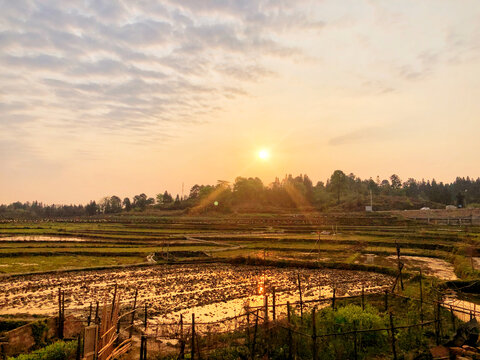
212,291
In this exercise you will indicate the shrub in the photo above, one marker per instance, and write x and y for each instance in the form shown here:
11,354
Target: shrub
57,351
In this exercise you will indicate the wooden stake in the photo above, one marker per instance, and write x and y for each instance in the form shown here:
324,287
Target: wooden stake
78,354
273,304
421,297
453,318
314,336
386,300
146,315
437,329
134,310
333,298
400,265
89,320
60,332
363,297
192,355
254,335
182,340
355,345
393,337
96,314
63,314
290,337
300,292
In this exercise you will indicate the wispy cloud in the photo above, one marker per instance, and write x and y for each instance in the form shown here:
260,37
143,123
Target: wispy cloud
101,63
373,134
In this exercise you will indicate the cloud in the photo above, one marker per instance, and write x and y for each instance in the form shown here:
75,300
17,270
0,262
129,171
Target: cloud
139,66
369,134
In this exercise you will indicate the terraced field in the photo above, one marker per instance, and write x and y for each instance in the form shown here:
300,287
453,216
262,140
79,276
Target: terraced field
336,240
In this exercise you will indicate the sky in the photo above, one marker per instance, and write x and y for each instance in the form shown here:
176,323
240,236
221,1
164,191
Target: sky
105,97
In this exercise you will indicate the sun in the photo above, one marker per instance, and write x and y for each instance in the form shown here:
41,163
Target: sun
264,154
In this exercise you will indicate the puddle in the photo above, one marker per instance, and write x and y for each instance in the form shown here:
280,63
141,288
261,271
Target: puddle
430,266
466,307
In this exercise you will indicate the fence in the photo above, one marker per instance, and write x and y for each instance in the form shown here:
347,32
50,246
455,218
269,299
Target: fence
297,328
304,333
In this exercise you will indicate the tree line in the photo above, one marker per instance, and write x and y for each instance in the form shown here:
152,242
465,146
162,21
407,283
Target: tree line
340,191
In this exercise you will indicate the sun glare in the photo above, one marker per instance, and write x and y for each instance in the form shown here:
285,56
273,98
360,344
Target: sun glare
263,154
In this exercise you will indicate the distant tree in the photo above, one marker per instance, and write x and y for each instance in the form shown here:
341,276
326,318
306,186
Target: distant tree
194,191
127,204
396,183
167,198
104,205
337,183
159,199
140,201
115,204
91,208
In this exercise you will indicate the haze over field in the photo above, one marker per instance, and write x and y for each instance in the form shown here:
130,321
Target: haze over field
115,97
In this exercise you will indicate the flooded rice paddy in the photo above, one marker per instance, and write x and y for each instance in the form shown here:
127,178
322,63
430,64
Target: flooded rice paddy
213,291
42,238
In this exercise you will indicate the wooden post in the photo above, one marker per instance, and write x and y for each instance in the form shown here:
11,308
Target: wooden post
248,327
60,331
300,292
63,310
97,319
421,297
143,347
355,345
439,308
333,299
437,329
386,300
265,304
363,297
254,335
290,337
146,314
399,264
130,333
78,354
392,328
182,340
314,336
89,320
192,353
113,301
453,318
273,304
